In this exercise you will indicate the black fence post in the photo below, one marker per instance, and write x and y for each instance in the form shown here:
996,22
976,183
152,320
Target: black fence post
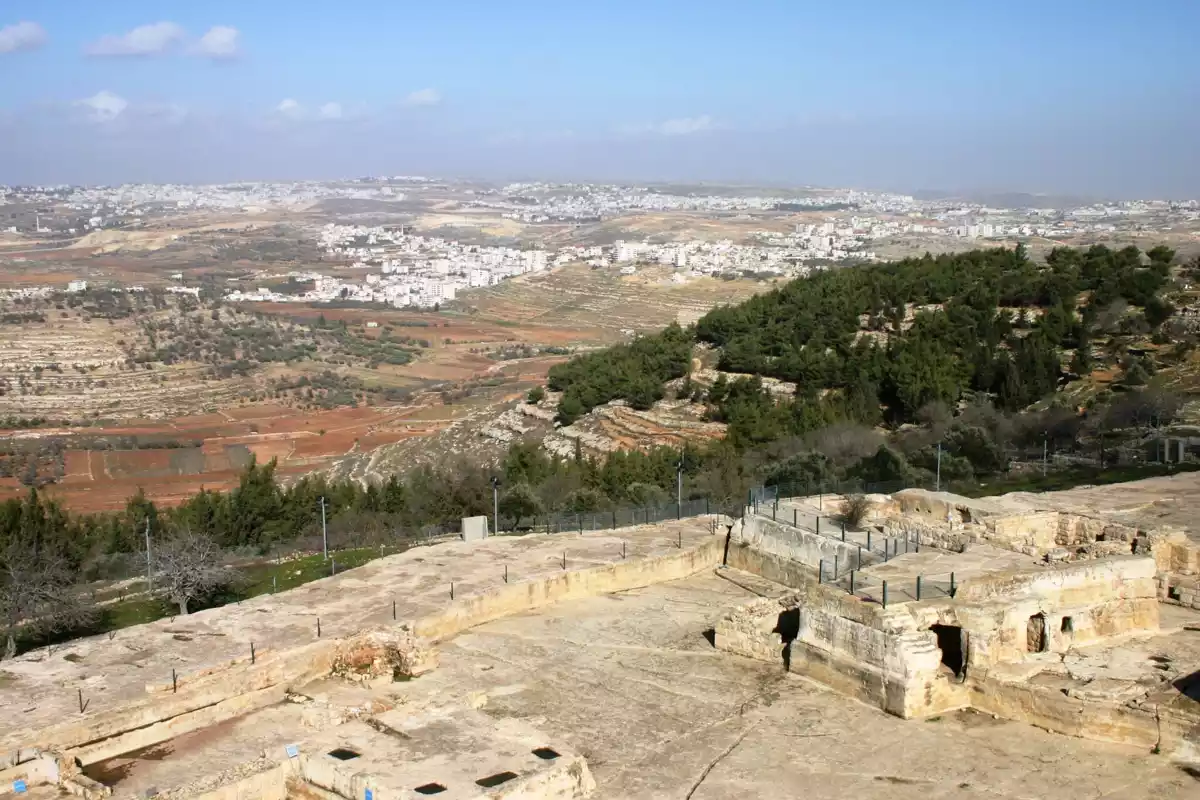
393,610
860,551
174,681
843,530
81,705
821,571
451,590
564,560
851,581
252,653
918,587
318,627
868,538
953,588
506,573
818,523
835,566
885,594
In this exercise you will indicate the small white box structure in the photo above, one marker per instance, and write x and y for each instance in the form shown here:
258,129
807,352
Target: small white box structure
474,529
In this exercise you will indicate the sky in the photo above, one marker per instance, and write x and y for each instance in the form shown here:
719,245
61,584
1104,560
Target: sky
1095,97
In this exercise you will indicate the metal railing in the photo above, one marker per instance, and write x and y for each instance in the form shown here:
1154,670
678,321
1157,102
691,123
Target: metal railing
628,516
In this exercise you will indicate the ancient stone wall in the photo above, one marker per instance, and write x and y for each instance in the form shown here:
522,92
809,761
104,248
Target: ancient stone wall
215,694
797,544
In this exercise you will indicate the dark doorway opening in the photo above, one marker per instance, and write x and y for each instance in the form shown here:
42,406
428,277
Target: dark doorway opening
1036,640
954,651
1068,625
788,628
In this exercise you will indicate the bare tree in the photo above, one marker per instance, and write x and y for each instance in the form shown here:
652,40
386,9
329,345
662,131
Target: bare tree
188,566
855,509
37,595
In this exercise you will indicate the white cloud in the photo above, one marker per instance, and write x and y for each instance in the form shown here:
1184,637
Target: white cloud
330,111
221,42
21,36
144,40
685,126
423,97
289,108
104,106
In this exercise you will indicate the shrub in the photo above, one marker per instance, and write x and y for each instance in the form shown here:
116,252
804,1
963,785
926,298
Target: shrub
854,510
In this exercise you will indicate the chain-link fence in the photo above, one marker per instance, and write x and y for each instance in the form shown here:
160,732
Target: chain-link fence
765,495
585,521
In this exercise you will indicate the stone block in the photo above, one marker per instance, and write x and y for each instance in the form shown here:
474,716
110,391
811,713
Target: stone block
474,529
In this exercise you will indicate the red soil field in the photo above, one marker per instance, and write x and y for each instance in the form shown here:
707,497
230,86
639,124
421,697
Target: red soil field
102,480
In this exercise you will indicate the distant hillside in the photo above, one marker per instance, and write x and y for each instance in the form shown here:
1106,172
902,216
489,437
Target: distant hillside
876,345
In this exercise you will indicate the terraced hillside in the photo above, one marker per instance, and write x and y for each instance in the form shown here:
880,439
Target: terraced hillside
604,299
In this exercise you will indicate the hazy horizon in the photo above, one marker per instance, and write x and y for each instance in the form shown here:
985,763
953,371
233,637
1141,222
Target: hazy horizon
1091,99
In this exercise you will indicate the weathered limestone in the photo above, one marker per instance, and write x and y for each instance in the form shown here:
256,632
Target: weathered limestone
797,544
977,648
383,652
189,700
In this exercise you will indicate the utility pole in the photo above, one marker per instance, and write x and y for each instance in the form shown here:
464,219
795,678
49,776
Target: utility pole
324,531
495,505
937,481
679,485
149,565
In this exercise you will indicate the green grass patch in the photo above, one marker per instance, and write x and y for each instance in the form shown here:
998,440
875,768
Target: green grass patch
256,579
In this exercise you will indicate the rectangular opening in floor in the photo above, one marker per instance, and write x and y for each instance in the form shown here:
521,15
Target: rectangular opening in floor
496,780
430,788
344,754
546,753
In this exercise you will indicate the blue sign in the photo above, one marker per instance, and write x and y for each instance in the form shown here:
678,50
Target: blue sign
292,751
19,787
370,795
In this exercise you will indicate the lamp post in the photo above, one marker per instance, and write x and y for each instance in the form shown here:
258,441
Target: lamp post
937,485
495,505
679,486
149,564
324,531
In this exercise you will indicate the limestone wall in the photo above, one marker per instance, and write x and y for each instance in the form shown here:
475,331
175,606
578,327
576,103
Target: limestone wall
853,646
208,697
798,545
1079,603
955,539
1146,727
516,598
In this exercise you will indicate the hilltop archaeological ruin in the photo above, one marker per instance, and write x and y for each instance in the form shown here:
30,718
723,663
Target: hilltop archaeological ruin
942,646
